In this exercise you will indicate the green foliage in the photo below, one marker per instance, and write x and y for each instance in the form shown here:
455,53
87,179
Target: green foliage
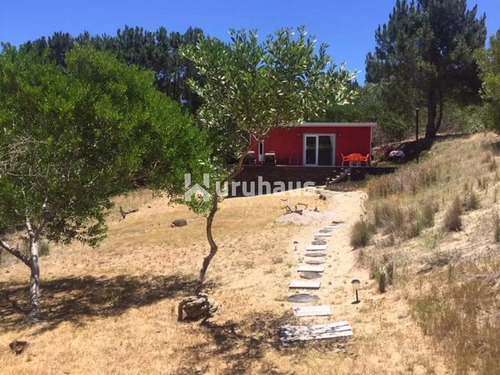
489,62
425,56
157,51
369,105
250,87
72,138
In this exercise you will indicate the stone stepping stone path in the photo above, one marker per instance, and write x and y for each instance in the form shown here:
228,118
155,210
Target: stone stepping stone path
336,330
309,268
303,298
315,261
300,284
315,258
310,275
313,254
317,248
303,311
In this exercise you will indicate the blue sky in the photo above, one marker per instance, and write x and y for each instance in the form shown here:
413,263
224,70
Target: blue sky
347,26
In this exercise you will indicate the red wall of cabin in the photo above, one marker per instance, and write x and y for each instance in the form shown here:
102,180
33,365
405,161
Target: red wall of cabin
288,144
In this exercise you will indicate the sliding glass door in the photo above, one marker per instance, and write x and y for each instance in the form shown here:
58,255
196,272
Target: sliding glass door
319,150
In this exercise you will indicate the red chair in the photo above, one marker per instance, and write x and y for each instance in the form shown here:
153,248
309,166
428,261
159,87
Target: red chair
345,159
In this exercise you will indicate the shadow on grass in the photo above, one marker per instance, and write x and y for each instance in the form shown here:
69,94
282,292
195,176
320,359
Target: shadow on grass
71,299
242,345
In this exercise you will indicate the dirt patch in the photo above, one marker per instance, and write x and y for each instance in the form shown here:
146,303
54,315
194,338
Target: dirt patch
306,218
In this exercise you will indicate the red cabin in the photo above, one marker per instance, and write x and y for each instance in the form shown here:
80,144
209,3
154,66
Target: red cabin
316,143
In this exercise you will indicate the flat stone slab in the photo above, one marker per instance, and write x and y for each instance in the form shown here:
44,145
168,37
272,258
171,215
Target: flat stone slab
303,298
326,230
311,275
301,284
319,242
309,268
337,330
332,227
317,248
303,311
323,234
315,261
313,254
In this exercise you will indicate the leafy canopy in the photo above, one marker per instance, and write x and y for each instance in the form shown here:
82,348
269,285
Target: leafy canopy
490,71
249,88
73,137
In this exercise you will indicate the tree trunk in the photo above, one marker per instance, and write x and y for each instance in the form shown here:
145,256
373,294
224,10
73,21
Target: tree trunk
35,310
431,128
441,113
213,245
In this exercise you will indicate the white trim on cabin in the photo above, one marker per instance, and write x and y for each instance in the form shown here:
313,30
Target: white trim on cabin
338,124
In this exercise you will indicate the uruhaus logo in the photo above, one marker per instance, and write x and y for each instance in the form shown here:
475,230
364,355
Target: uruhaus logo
245,188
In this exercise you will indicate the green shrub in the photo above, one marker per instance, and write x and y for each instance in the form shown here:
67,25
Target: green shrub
361,234
453,217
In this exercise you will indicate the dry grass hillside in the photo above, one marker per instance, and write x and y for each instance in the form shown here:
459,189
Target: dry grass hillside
433,232
112,310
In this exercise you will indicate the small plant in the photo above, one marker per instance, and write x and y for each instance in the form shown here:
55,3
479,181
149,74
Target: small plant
496,227
427,214
382,282
389,269
277,260
361,233
471,201
492,166
453,217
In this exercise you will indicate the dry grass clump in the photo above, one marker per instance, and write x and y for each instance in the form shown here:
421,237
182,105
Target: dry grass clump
453,217
361,233
407,180
462,316
496,228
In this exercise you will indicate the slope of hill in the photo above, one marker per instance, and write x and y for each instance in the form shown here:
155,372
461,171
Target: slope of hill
113,309
438,241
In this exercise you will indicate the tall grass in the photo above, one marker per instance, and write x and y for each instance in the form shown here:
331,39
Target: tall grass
453,217
462,316
361,233
407,180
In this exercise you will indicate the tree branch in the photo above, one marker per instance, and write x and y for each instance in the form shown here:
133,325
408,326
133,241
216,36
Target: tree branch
18,254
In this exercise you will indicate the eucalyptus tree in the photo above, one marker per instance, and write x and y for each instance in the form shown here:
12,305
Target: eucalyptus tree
427,49
250,87
73,137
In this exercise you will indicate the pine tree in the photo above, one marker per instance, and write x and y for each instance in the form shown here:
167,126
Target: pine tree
429,46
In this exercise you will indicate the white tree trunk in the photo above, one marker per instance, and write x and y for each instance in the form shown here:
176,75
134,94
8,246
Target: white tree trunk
35,311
